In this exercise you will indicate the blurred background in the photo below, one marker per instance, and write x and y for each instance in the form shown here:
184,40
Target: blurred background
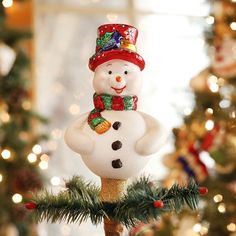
46,83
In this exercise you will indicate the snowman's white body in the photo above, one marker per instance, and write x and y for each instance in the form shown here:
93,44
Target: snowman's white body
140,134
132,129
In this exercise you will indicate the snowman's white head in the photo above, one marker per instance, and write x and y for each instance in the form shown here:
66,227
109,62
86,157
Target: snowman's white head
117,77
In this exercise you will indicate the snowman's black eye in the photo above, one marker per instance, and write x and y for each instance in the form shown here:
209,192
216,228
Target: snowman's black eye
126,72
109,72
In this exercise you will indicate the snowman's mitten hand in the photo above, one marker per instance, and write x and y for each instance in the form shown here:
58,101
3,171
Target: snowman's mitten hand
146,145
154,137
76,139
79,141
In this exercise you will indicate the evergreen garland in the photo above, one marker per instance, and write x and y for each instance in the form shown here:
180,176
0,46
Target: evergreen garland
143,202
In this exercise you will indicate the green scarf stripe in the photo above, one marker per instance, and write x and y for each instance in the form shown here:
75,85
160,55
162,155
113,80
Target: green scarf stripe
107,100
128,103
96,121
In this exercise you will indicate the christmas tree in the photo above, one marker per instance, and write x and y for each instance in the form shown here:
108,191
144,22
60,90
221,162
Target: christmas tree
19,142
205,145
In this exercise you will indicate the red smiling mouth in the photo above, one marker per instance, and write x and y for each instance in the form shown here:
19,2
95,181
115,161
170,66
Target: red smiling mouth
119,90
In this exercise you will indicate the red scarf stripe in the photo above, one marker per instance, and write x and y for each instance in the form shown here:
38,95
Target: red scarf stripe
117,103
135,100
93,116
98,103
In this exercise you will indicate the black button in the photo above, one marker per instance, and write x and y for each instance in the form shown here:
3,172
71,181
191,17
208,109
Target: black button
116,164
116,125
116,145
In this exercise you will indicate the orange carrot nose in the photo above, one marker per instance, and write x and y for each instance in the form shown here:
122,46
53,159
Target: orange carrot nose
118,78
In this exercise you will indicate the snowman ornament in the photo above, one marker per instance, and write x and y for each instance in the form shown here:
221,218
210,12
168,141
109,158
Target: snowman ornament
114,139
224,58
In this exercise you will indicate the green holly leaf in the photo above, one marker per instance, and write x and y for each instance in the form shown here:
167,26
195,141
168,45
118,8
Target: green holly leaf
104,39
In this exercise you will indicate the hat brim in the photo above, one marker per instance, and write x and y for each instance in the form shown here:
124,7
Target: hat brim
122,54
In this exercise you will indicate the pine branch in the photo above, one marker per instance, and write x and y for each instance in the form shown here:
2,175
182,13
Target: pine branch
85,189
81,201
78,203
137,205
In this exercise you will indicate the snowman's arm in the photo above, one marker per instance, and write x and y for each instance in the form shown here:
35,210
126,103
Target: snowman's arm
154,137
76,139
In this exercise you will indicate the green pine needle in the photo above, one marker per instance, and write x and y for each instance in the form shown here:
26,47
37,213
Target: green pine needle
80,201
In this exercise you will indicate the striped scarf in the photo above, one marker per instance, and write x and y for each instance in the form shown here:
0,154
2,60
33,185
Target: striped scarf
108,102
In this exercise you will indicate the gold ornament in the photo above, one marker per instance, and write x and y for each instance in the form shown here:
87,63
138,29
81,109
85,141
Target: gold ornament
199,82
225,169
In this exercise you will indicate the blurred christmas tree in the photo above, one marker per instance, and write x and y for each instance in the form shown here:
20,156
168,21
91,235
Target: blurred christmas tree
19,143
205,145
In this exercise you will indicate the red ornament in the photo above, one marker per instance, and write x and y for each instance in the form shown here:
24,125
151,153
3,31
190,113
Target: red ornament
25,180
30,205
207,141
196,154
203,191
158,204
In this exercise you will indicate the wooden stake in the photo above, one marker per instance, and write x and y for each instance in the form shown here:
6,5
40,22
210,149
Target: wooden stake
111,191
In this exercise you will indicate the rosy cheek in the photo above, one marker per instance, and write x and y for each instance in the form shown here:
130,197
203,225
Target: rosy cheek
130,80
134,85
101,83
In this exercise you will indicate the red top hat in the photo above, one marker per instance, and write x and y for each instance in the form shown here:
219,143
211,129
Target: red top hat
116,41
